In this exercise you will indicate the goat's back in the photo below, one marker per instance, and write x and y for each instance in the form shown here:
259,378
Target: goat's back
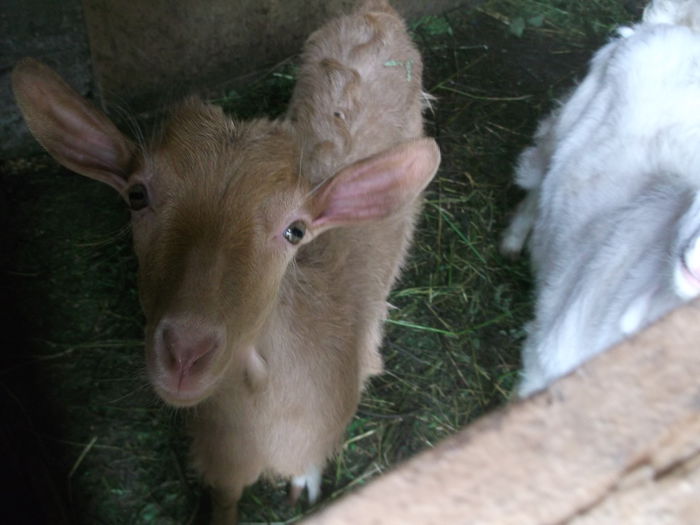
359,90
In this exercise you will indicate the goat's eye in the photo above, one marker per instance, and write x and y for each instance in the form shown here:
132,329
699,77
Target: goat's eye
295,232
138,197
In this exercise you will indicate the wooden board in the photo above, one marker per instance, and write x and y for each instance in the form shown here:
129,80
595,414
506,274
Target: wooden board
617,441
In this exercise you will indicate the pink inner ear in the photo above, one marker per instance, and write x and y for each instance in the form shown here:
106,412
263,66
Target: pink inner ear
91,145
377,187
364,196
74,132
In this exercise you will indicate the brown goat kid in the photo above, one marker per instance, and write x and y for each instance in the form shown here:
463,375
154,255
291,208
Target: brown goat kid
267,248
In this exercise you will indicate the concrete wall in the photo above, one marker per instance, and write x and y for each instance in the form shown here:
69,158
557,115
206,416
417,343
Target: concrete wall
143,54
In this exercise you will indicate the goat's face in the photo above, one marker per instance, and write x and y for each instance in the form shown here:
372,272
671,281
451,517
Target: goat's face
225,214
218,213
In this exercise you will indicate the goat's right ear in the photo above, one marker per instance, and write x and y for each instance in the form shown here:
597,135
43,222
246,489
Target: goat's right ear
71,129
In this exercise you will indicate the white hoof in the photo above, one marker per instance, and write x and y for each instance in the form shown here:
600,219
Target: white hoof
312,481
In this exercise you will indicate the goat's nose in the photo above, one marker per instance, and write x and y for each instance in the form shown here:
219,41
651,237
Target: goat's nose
186,348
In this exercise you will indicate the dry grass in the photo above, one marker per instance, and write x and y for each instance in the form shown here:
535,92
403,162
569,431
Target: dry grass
117,455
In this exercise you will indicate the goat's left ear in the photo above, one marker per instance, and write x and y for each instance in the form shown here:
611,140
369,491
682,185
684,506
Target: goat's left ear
376,187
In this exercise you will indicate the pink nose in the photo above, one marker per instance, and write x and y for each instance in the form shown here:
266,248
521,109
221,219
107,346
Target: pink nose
185,349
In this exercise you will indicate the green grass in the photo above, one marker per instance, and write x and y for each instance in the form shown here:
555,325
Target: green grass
117,455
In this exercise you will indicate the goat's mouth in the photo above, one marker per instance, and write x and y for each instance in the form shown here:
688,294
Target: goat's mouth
180,399
183,388
184,393
687,279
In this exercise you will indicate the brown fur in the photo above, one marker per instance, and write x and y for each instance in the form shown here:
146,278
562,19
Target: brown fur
277,340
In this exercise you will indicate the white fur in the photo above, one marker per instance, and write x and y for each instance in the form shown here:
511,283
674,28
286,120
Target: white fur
312,481
676,12
614,195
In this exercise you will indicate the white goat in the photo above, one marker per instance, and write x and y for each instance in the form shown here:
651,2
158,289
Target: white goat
614,195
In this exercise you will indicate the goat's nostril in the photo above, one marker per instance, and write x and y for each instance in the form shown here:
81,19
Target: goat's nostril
185,349
169,354
200,357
